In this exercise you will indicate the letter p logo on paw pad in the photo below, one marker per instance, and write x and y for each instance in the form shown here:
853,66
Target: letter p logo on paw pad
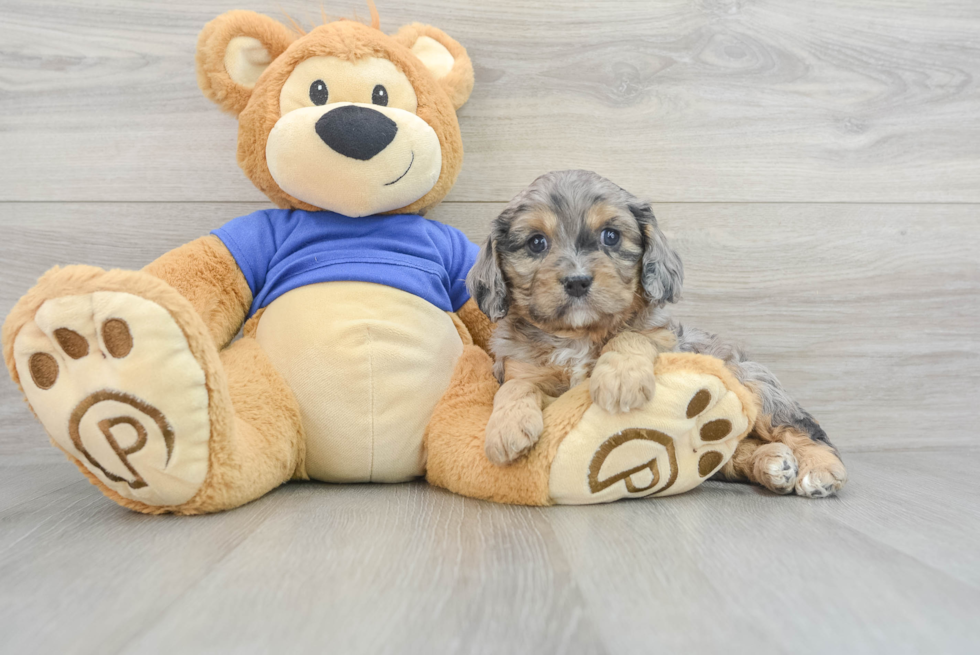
112,379
670,445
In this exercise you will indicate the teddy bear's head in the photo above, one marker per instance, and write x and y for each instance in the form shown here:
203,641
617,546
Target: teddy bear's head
343,118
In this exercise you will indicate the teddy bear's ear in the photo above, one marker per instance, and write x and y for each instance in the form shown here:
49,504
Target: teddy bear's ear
443,56
232,52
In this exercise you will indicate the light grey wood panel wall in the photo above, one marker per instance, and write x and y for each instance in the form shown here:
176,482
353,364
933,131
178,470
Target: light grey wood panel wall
719,100
867,310
867,313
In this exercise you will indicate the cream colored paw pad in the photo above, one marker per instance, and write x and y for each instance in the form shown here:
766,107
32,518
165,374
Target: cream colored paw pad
113,381
670,445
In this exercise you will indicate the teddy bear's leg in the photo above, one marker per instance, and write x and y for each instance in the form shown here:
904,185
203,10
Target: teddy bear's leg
675,441
127,380
585,454
456,457
478,327
264,446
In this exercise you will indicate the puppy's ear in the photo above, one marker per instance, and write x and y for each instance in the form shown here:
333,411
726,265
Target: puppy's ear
233,50
663,272
486,283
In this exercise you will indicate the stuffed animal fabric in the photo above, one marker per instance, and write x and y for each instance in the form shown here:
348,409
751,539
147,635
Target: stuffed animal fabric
362,356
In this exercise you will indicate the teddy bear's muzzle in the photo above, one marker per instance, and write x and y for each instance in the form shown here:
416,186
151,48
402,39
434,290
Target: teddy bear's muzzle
356,132
354,159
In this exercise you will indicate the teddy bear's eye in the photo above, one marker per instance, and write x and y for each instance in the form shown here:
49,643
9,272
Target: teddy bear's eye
318,92
380,96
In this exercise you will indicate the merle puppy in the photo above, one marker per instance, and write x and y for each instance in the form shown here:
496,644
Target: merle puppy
576,274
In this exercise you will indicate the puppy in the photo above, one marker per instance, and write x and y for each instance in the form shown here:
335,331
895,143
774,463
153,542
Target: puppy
576,275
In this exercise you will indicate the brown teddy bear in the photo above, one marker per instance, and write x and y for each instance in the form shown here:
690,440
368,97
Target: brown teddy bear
362,356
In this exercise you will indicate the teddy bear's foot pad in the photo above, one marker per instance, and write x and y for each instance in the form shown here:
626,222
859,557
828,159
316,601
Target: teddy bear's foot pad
112,379
677,440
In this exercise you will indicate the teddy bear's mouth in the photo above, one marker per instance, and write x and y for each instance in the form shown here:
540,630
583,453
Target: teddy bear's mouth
406,171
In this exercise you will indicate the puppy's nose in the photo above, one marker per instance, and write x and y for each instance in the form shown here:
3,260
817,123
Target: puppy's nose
577,286
356,132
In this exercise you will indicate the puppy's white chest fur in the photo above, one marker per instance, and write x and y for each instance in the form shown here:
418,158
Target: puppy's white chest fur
577,356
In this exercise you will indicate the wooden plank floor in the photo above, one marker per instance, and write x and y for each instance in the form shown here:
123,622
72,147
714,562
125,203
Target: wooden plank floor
817,165
893,565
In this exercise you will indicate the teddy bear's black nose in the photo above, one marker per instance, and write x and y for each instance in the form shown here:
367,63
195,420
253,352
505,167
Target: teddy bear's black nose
356,132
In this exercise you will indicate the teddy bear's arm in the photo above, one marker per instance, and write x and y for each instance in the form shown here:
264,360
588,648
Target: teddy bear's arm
205,273
477,323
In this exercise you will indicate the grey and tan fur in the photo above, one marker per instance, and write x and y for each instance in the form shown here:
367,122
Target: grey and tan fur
576,273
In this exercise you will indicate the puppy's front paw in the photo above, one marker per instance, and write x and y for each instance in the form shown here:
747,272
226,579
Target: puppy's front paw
620,383
512,431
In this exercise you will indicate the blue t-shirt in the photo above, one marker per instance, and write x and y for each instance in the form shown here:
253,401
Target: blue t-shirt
280,250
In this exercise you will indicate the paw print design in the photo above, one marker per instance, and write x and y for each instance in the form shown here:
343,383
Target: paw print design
112,379
678,439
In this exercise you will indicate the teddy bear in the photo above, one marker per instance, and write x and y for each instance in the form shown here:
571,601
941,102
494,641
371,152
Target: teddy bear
332,338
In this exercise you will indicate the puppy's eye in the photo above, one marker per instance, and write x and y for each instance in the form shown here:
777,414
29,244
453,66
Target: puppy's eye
537,244
610,237
380,96
318,92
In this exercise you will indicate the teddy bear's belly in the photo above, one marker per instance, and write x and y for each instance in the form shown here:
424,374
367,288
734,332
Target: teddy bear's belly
367,363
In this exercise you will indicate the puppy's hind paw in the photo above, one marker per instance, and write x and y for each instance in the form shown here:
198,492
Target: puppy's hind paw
620,384
776,468
821,481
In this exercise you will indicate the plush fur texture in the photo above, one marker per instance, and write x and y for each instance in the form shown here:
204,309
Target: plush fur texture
577,272
243,60
236,456
258,108
212,75
205,273
256,436
479,326
458,83
455,437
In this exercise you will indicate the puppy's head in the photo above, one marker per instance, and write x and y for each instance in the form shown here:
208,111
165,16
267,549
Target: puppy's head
574,251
